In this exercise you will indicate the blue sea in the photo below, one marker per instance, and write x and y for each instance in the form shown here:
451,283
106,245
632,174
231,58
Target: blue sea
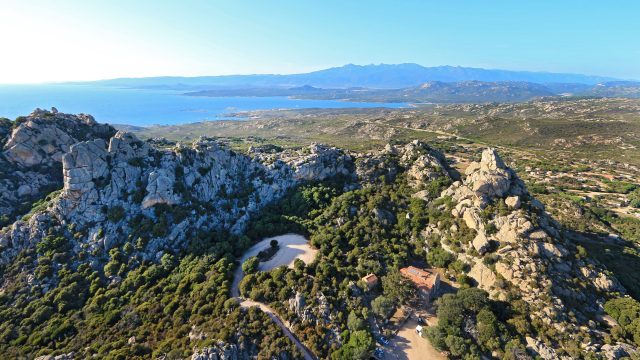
147,107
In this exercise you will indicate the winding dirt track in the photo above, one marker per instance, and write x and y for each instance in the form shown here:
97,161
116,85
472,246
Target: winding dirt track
292,247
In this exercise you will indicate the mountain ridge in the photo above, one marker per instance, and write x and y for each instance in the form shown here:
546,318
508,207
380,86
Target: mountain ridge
383,76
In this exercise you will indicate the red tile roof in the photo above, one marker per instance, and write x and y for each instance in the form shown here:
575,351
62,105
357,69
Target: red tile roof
371,279
421,278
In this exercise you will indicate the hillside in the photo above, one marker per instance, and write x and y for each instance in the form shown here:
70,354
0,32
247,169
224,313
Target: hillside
134,256
431,92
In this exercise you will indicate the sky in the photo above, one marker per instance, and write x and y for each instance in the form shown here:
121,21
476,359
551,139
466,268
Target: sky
69,40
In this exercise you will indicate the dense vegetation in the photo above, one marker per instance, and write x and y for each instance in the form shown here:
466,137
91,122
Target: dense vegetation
149,310
469,324
626,311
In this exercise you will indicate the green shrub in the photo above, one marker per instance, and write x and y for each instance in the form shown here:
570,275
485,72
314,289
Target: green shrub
116,213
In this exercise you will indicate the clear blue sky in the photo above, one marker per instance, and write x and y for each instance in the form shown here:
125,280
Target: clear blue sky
46,40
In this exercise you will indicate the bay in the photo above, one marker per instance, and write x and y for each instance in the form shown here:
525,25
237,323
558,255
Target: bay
143,107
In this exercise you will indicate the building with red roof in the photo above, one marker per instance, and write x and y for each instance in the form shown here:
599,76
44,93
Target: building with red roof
427,281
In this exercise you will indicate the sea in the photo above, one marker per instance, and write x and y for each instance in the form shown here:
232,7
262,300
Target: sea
145,107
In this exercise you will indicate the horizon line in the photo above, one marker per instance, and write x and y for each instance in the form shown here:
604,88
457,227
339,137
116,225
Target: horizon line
76,82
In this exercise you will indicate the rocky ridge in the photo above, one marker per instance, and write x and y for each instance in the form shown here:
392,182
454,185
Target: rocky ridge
32,151
108,184
519,251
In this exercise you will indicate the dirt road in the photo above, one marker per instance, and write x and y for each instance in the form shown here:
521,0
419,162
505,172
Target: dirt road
292,247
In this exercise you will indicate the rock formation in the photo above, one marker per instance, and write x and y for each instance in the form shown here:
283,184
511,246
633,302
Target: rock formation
108,183
31,157
530,255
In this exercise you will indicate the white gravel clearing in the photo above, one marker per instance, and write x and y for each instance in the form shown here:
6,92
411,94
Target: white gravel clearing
292,246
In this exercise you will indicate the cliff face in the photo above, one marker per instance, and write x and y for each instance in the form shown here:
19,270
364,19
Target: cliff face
109,183
32,151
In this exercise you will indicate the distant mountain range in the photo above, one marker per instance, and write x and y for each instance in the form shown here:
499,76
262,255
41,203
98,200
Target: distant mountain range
381,76
395,83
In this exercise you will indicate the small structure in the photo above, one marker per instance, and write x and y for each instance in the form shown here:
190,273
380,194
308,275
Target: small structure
427,281
371,280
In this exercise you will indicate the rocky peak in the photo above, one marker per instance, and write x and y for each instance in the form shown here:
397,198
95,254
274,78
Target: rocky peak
423,162
491,161
527,250
44,136
33,147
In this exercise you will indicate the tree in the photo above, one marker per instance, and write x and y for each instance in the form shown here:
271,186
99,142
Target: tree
273,243
456,345
354,322
358,347
396,288
626,311
250,266
439,257
382,307
455,312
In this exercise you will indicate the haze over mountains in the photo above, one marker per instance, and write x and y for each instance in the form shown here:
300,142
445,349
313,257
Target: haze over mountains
401,83
383,76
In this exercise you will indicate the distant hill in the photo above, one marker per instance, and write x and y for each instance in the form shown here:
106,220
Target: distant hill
442,92
383,76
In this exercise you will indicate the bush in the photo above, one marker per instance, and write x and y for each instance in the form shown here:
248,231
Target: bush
634,198
136,161
439,257
250,266
51,244
115,213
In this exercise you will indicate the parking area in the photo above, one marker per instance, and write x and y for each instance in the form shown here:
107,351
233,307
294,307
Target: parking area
408,344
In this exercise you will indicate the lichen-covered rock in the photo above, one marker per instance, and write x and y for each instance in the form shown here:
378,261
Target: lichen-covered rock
481,243
513,202
484,276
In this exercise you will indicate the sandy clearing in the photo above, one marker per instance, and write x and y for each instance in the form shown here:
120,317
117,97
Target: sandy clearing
292,246
409,345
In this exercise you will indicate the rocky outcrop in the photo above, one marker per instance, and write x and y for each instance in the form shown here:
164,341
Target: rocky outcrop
530,255
32,152
297,305
109,183
68,356
422,163
43,137
220,351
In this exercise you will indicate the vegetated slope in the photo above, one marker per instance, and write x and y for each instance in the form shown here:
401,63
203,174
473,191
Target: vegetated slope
595,129
134,256
114,245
